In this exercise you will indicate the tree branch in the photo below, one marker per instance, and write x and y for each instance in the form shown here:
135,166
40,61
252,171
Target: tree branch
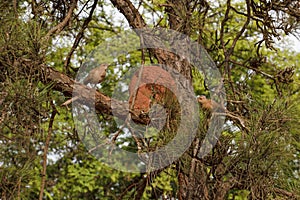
286,193
89,96
54,111
59,27
136,21
132,15
79,36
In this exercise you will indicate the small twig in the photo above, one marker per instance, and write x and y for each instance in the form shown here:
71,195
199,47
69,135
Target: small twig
233,101
140,4
134,183
82,8
43,173
19,188
192,170
166,5
116,134
228,114
79,36
59,27
240,33
98,146
34,7
254,69
286,193
226,18
15,7
139,144
70,101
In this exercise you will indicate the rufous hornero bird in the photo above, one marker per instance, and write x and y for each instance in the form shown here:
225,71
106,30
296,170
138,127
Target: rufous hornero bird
207,104
211,105
95,76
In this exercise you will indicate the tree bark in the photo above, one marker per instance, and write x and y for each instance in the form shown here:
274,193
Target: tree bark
192,178
86,95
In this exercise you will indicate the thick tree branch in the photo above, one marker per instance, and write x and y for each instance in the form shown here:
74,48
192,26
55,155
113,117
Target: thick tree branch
86,95
136,21
132,15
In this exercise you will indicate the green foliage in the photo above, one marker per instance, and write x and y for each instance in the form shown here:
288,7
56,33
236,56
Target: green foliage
164,185
264,82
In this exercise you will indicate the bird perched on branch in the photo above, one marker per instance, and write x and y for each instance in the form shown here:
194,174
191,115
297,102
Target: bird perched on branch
207,104
212,106
96,75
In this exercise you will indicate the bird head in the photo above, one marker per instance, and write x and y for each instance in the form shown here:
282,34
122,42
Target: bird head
104,65
201,98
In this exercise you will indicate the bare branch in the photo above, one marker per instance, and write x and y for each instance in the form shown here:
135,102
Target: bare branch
79,36
43,182
286,193
59,27
254,69
240,33
132,15
102,103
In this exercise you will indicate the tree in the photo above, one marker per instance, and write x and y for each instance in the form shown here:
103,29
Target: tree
43,45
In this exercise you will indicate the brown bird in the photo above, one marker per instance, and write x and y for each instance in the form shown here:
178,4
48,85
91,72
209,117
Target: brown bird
96,75
211,105
207,104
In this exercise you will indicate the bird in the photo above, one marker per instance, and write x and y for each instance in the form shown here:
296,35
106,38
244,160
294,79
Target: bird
96,75
207,104
212,106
